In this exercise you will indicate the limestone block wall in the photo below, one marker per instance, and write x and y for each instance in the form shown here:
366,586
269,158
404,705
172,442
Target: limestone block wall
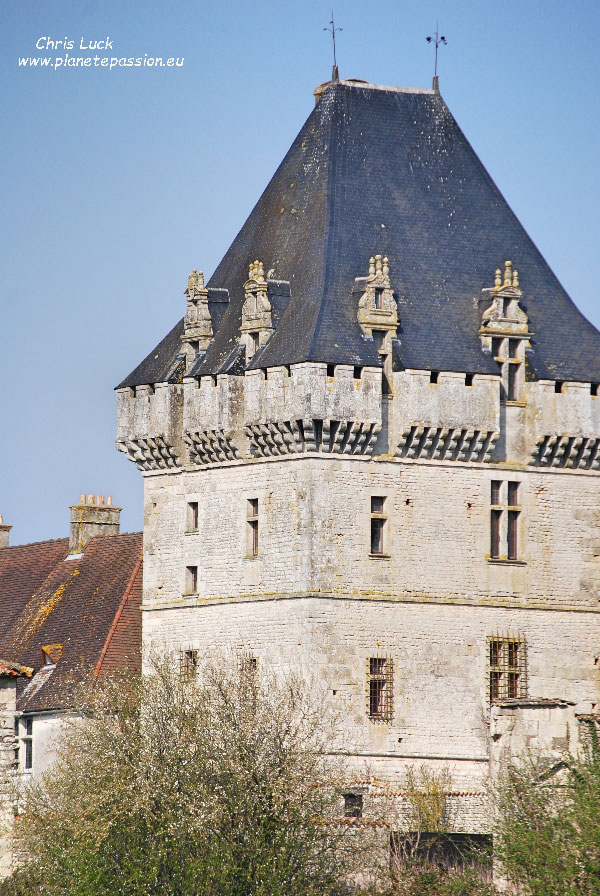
314,516
441,707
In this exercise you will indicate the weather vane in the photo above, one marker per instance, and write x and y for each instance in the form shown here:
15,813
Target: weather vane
332,29
437,41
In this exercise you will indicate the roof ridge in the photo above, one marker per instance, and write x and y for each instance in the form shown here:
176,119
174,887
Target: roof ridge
32,544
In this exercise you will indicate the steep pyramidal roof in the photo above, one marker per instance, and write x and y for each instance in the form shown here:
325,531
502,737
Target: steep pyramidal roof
386,170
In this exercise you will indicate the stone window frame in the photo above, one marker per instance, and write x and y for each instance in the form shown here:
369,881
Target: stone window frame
191,580
508,352
380,688
189,660
507,670
252,528
379,519
506,528
192,516
26,743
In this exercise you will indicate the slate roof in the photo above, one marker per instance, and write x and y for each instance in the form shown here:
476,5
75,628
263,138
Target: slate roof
88,606
387,170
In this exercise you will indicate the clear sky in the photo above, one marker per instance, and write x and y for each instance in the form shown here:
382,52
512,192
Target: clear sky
118,182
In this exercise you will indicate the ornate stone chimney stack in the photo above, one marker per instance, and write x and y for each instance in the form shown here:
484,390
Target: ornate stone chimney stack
4,533
90,518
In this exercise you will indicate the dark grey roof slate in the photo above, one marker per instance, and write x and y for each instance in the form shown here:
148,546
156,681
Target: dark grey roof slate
387,170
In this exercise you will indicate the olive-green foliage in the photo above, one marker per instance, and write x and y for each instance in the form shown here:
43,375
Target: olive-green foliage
174,785
547,841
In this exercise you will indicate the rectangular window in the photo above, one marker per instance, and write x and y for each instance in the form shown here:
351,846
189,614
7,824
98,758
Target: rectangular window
511,387
378,298
254,343
378,521
191,579
353,805
252,532
188,662
27,742
505,514
380,673
507,668
192,516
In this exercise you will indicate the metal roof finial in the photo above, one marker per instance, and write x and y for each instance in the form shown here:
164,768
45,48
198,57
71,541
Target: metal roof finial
335,75
436,41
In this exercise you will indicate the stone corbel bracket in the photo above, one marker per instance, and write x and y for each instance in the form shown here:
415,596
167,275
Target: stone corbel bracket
445,443
572,452
150,453
377,309
210,446
299,436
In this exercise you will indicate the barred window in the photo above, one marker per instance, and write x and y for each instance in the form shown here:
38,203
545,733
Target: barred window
188,662
380,695
507,667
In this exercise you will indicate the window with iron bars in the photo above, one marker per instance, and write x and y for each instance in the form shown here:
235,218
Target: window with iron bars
507,667
188,662
380,689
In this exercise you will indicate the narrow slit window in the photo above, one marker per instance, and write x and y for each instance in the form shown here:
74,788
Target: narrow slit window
378,299
434,377
191,579
252,522
511,387
192,516
27,741
378,522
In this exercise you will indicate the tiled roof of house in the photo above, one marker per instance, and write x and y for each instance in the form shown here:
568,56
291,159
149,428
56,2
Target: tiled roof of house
388,171
69,617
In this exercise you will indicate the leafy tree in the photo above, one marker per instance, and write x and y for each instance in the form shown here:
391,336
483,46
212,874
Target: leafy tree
547,838
177,784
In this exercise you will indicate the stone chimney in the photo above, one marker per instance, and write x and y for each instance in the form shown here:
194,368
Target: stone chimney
92,517
4,531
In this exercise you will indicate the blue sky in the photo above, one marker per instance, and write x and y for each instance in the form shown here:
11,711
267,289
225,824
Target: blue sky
118,182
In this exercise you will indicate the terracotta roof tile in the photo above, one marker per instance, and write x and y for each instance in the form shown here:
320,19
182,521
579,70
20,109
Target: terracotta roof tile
90,606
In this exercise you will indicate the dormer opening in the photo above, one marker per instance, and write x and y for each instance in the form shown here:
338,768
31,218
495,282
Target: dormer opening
434,377
594,390
253,343
379,299
558,386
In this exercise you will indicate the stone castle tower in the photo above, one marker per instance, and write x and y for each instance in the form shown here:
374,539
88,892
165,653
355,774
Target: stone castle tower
371,449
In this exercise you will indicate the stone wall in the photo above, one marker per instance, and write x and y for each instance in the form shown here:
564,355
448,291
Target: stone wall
7,771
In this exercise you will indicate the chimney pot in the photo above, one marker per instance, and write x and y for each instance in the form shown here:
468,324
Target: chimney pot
100,500
82,499
109,501
90,499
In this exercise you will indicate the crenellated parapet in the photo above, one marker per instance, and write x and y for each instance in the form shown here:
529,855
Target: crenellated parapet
149,425
243,411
